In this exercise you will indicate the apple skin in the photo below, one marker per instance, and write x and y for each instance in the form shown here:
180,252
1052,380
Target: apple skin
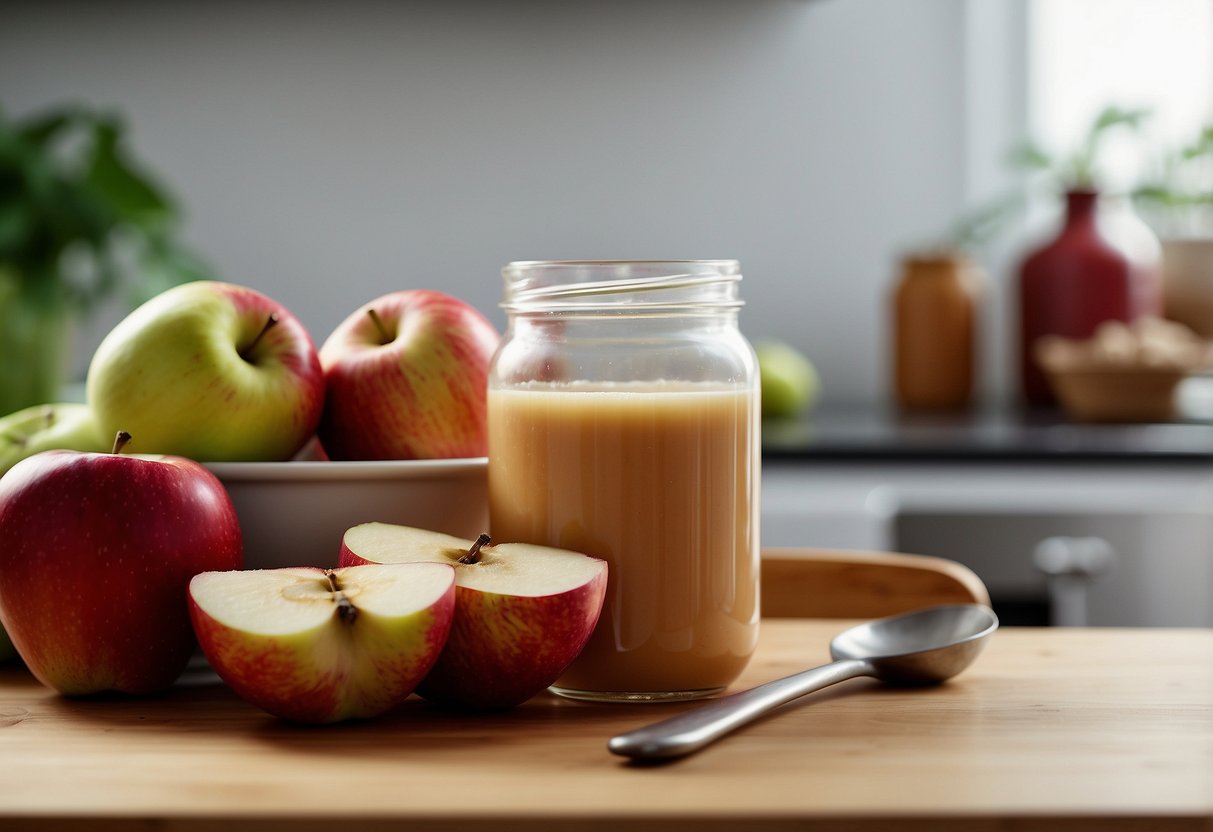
46,427
7,651
172,374
327,673
420,395
96,553
504,649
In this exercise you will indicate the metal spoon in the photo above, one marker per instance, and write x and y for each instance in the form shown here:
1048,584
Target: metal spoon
922,647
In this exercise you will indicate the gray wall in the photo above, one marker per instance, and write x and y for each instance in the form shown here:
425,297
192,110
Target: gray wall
331,152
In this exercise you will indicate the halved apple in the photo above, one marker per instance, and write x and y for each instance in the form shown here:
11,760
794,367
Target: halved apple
324,645
522,612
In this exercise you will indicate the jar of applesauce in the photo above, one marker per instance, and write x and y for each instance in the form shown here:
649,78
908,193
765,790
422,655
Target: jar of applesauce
623,415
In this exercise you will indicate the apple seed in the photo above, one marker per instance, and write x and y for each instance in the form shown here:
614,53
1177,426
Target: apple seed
346,611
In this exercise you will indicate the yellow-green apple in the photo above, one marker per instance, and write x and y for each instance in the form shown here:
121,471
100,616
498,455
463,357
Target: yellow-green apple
522,612
44,427
407,378
96,555
212,371
788,379
324,645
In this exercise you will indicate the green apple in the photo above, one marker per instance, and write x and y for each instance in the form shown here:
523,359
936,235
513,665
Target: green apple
789,381
48,427
211,371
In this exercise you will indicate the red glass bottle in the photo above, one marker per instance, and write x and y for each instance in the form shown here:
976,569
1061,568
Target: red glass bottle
1076,282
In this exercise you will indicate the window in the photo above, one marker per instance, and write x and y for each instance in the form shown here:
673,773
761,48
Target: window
1084,55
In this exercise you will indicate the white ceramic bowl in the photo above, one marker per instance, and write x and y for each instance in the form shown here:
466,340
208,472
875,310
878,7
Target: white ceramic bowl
295,513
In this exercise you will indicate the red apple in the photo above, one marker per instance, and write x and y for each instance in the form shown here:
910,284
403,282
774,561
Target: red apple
96,553
522,612
212,371
406,378
324,645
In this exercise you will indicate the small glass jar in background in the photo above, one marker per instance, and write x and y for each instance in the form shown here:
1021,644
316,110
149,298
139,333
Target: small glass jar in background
936,306
624,423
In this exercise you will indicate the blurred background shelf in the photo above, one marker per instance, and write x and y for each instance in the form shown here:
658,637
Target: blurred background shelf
1126,510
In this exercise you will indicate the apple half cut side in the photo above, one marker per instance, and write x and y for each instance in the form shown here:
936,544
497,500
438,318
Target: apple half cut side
324,645
522,612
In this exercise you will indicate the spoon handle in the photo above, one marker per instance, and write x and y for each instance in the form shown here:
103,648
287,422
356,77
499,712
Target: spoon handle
693,730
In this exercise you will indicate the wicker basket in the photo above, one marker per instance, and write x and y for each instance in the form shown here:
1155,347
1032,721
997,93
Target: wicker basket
1117,394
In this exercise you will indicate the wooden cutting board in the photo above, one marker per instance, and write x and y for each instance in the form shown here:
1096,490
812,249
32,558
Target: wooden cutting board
1050,729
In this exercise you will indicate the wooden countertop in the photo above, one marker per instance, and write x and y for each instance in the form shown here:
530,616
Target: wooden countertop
1050,729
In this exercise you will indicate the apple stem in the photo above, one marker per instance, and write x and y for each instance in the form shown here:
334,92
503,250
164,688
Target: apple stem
120,441
473,554
385,337
270,322
346,611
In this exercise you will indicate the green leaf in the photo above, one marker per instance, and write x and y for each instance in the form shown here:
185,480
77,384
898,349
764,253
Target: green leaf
132,195
1157,194
1080,170
16,227
1031,156
1114,117
40,129
1202,145
979,225
71,197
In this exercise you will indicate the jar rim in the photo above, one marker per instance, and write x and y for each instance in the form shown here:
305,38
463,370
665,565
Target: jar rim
727,266
620,285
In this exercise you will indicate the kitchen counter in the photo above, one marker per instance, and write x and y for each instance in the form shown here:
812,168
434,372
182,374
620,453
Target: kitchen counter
1050,729
881,434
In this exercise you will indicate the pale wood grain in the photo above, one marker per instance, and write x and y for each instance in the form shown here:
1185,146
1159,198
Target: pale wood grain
1051,729
825,583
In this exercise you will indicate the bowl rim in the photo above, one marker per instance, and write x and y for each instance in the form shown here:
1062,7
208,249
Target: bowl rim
328,471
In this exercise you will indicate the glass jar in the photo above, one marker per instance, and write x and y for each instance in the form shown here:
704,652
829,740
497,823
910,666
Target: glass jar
935,316
624,423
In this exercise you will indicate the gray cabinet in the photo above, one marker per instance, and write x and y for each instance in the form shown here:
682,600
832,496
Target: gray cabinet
1000,519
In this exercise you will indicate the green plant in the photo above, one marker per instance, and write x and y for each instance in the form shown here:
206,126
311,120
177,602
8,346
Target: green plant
79,216
1178,195
1078,170
977,226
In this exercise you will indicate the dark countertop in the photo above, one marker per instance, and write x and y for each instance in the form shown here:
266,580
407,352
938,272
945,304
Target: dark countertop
881,434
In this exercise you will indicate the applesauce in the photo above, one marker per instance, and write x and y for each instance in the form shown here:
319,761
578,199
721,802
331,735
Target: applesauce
660,479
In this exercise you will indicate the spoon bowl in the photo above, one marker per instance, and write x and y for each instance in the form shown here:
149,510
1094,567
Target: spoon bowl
924,647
